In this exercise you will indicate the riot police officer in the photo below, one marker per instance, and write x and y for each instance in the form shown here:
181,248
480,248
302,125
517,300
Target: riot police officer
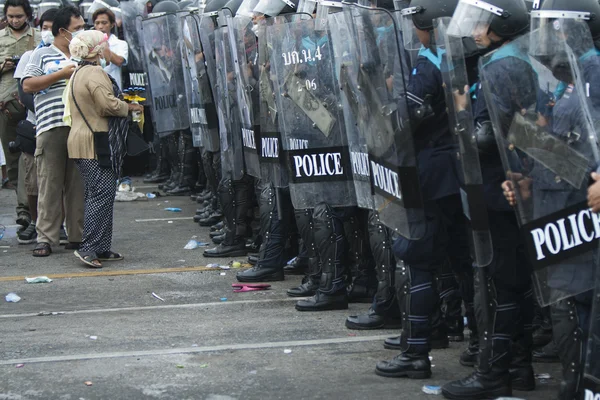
420,260
503,293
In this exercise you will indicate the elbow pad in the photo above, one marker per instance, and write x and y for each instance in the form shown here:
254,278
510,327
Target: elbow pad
486,142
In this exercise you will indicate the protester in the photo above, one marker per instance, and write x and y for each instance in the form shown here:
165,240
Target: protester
26,129
46,76
15,39
104,21
92,99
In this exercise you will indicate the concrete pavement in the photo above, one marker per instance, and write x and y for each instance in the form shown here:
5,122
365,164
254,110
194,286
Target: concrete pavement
202,342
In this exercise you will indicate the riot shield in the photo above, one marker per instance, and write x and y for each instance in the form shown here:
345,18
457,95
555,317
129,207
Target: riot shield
203,113
310,114
381,80
548,148
455,78
273,166
206,26
245,62
162,55
232,158
131,30
354,105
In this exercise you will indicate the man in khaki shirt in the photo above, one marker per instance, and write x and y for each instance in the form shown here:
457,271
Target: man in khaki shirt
17,38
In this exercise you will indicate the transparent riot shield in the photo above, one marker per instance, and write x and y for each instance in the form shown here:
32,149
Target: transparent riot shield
310,115
162,54
206,27
203,113
232,157
455,77
346,69
548,147
137,77
381,80
273,166
245,62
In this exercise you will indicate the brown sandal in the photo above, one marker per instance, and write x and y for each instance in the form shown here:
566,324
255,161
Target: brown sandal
42,250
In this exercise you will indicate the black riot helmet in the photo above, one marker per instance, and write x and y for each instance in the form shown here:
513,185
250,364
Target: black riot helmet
506,18
165,7
420,15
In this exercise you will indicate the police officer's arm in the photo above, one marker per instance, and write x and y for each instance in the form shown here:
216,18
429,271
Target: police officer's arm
594,193
422,86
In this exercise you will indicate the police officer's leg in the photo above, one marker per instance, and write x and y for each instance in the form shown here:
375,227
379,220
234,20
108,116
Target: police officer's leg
330,242
418,298
306,229
187,165
172,142
384,312
499,290
570,324
274,227
161,172
417,295
360,259
201,181
233,196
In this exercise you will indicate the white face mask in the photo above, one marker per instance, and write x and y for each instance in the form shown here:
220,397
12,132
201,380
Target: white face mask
103,62
47,37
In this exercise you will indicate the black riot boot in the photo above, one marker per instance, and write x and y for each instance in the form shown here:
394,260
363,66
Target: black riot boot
497,313
273,228
173,159
384,313
233,196
310,283
362,266
187,166
161,173
418,299
569,339
521,371
330,243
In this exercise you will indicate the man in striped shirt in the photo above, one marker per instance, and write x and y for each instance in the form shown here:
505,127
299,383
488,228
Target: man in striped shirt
45,76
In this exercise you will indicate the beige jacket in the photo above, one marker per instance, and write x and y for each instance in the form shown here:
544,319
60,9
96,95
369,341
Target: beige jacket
94,94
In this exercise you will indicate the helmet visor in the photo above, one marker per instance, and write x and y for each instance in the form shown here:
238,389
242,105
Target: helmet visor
409,31
472,18
272,8
550,30
247,8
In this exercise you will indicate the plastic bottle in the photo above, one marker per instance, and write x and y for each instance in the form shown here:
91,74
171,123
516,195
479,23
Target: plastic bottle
136,116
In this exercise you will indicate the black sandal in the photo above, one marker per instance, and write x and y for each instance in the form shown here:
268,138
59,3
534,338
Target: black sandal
42,250
88,258
110,256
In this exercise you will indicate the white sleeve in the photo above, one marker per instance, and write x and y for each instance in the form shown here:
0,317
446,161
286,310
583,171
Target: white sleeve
121,49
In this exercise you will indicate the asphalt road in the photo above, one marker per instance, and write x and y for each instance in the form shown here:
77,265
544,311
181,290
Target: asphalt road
202,342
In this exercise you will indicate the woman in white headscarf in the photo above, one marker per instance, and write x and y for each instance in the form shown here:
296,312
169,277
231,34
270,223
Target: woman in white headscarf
92,102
